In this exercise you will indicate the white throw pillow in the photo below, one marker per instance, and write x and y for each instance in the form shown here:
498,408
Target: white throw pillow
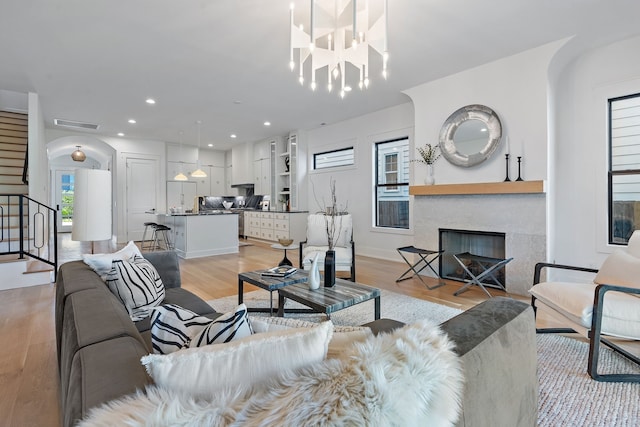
203,371
343,336
138,286
101,263
174,328
620,268
633,246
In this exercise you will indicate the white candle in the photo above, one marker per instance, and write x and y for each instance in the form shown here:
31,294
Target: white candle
508,147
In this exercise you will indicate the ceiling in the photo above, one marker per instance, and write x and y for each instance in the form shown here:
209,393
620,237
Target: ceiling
225,62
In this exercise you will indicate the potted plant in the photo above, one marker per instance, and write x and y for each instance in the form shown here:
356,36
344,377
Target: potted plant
428,155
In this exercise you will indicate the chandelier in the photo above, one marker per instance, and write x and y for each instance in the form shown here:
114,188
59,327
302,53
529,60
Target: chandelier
78,155
339,34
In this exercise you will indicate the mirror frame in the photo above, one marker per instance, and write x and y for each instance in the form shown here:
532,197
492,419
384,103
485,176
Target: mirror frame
470,112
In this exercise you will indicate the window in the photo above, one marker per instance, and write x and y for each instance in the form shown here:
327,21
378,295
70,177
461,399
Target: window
392,183
391,171
332,159
624,168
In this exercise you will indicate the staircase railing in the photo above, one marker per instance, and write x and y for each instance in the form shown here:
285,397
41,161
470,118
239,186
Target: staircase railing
28,228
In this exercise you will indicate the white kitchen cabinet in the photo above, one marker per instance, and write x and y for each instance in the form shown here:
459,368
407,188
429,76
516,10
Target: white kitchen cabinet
213,184
242,164
271,226
262,177
181,194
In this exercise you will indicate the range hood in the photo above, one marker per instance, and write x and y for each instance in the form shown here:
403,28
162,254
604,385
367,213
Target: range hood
242,185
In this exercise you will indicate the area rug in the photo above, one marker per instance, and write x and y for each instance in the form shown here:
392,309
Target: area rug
392,305
567,395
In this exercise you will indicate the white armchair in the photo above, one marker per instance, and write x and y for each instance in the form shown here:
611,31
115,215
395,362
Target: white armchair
316,243
610,305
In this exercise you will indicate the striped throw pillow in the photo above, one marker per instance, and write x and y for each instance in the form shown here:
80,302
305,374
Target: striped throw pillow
137,284
174,328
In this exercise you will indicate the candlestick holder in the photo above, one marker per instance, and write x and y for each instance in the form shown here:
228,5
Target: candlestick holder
506,156
519,176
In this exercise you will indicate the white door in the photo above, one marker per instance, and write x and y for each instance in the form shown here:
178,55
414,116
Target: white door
64,186
142,181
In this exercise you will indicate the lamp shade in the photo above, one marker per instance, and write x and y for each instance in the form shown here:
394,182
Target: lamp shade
91,205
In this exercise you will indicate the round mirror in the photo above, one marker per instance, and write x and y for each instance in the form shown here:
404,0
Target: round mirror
470,135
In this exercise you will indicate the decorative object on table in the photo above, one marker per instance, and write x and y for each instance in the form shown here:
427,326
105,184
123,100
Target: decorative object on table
470,135
280,271
285,242
506,156
314,274
428,155
330,268
333,224
519,174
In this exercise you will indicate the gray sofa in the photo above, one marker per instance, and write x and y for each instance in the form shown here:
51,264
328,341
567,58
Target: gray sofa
99,347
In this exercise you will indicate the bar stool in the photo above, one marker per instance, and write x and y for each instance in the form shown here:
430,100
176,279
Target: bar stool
149,243
162,237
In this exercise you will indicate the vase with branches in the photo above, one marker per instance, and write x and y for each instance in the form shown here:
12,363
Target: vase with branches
333,214
428,155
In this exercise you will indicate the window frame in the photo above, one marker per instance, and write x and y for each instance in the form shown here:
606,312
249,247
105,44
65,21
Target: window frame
396,186
323,153
611,173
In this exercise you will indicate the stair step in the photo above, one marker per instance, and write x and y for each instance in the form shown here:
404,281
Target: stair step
11,179
11,163
11,117
14,189
9,154
12,144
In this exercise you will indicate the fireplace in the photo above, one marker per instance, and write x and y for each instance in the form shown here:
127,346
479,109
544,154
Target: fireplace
484,243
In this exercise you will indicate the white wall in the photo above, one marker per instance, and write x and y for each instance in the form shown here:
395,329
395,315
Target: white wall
516,89
354,184
580,188
124,147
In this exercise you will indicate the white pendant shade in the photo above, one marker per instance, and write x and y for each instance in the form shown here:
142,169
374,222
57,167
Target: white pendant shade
180,177
199,173
91,205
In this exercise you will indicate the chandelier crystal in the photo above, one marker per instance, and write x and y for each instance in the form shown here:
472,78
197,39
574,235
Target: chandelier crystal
339,34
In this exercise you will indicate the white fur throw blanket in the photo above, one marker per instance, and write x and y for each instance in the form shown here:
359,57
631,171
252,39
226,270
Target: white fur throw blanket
408,378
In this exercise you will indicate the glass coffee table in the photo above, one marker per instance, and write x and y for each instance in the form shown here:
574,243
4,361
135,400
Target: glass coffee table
329,300
268,284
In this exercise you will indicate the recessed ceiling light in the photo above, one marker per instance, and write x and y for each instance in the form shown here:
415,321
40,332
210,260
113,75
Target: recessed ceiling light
150,101
267,123
233,135
132,121
347,88
209,145
120,134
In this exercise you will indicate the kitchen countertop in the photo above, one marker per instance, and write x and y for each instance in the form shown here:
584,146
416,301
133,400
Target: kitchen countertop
221,212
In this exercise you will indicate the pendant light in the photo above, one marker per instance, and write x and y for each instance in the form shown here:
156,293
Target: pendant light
180,176
78,155
198,173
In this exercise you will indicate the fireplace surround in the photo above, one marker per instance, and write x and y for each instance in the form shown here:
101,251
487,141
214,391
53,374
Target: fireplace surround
521,217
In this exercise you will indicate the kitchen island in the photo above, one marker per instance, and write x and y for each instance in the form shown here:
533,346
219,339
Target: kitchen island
200,235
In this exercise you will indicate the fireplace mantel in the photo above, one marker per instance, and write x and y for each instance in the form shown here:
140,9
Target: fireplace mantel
509,187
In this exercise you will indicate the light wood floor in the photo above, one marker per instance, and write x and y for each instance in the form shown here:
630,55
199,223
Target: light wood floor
28,368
